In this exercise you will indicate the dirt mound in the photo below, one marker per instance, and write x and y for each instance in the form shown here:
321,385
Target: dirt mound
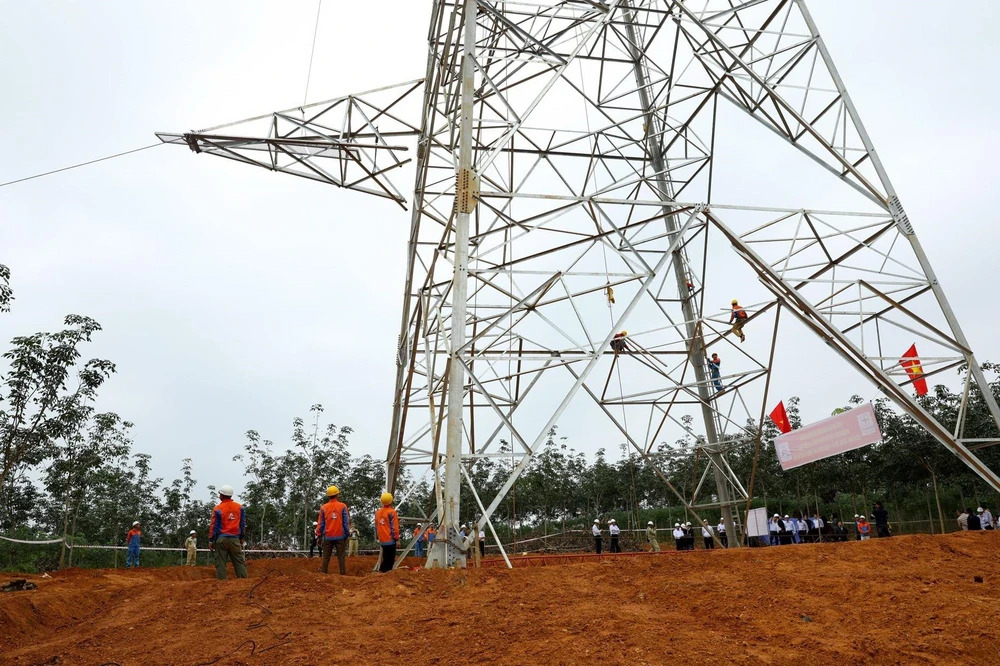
906,600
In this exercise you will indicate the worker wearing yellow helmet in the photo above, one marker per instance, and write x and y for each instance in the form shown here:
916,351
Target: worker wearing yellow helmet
618,342
334,517
387,531
738,318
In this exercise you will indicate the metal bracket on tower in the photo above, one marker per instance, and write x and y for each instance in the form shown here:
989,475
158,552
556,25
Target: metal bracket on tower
899,215
467,191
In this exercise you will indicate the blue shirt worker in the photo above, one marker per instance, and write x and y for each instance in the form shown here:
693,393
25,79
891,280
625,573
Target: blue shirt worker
714,365
132,541
226,534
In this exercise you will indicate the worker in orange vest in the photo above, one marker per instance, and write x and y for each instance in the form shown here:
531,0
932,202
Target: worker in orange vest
738,318
864,528
429,535
387,532
132,541
226,534
334,518
618,342
418,543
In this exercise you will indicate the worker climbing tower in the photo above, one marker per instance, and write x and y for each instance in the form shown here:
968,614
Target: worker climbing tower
569,186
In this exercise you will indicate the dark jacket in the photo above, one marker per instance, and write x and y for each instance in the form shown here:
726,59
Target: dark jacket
974,522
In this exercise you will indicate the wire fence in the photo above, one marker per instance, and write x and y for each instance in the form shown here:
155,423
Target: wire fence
43,554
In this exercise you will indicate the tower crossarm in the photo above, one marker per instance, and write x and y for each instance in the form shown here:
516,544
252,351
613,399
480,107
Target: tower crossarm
356,142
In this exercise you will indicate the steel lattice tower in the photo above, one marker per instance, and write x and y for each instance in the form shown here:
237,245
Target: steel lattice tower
563,192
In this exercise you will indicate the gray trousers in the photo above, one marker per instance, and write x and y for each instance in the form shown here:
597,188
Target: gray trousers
229,549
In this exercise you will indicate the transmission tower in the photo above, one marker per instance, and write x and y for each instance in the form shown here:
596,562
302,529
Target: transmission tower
565,155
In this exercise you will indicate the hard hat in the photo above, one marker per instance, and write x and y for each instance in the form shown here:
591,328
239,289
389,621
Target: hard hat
596,520
332,491
687,524
856,516
624,333
776,516
786,515
419,524
386,498
193,532
979,510
315,523
226,490
735,302
862,517
650,522
677,524
464,526
611,520
135,523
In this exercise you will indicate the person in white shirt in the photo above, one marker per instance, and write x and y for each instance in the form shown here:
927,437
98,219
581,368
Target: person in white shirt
596,531
614,530
720,529
985,518
706,534
773,527
482,543
679,536
818,522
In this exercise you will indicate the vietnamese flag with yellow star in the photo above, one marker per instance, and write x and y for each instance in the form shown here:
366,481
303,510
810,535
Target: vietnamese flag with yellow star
911,363
780,418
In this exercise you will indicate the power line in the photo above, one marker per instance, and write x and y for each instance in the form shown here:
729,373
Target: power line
312,52
82,164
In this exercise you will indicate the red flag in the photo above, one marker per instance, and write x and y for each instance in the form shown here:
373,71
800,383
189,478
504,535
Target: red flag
780,418
911,363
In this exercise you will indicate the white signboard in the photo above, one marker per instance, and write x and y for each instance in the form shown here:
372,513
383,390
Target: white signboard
757,522
844,432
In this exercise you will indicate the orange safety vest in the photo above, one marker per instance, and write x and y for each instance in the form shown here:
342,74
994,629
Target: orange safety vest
333,520
739,314
430,535
133,534
864,527
387,526
228,520
417,533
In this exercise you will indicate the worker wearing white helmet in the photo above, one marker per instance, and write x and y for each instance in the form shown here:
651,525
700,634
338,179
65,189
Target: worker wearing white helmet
651,537
706,535
986,518
772,526
419,539
226,534
314,544
720,530
132,541
596,531
678,536
191,544
614,530
353,539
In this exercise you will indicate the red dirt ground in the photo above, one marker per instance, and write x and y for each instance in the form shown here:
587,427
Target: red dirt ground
905,600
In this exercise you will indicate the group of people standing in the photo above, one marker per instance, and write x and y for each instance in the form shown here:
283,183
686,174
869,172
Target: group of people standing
613,530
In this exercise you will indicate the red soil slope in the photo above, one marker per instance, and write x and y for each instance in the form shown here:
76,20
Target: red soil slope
906,600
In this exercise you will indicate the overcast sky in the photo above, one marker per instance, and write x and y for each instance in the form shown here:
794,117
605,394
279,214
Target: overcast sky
234,298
